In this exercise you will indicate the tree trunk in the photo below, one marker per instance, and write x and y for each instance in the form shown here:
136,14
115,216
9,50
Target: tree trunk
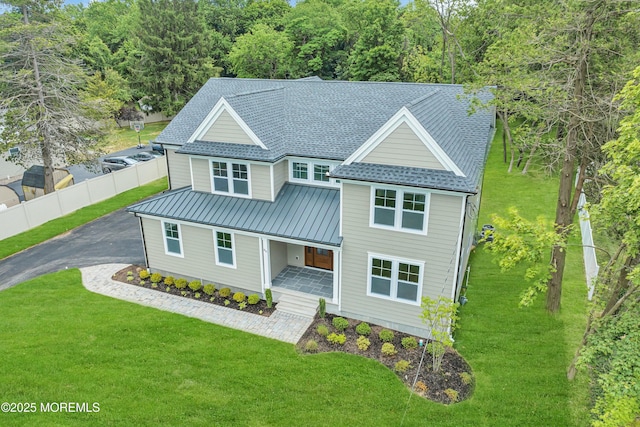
564,219
530,159
579,185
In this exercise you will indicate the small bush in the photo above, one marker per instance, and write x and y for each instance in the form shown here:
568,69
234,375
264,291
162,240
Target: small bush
181,283
363,343
409,343
322,330
340,323
197,295
144,274
168,288
466,377
142,283
334,338
253,299
224,292
154,285
242,305
227,302
130,276
421,387
363,328
311,346
389,349
386,335
451,394
322,307
169,280
269,297
156,278
402,366
195,285
239,297
184,293
209,289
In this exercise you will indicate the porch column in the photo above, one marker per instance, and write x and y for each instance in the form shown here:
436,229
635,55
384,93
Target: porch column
337,268
265,263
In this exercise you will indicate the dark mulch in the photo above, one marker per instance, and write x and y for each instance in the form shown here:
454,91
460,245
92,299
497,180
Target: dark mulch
431,385
259,309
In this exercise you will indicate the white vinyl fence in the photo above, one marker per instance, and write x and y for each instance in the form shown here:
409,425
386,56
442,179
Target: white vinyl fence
27,215
588,248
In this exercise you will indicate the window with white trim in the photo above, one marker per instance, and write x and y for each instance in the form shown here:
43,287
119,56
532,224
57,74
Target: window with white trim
224,249
399,209
172,242
395,279
299,171
235,182
321,173
311,172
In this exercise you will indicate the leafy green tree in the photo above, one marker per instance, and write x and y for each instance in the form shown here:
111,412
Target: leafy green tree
108,92
175,51
272,13
441,317
40,93
422,38
262,53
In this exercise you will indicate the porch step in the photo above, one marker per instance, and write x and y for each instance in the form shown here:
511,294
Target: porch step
298,303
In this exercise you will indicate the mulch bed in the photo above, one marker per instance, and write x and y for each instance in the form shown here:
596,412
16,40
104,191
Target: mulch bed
431,385
259,309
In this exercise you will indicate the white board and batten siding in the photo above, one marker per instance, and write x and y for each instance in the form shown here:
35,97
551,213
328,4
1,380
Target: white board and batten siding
438,251
403,148
179,169
199,257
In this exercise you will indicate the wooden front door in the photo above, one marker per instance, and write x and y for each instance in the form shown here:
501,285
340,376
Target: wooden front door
319,258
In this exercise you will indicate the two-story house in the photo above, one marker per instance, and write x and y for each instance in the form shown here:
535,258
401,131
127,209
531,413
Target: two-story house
363,193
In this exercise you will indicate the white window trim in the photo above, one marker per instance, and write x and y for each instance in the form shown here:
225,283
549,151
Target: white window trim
311,163
230,164
398,209
233,248
395,261
164,239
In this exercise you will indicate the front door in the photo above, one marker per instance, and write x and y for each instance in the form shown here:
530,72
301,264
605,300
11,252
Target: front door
319,258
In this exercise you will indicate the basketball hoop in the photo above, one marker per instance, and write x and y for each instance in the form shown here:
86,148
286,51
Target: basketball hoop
137,126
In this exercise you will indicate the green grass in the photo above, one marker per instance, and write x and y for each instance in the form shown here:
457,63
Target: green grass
147,367
82,216
122,138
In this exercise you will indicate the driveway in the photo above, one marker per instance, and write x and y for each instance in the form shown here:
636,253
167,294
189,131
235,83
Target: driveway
114,238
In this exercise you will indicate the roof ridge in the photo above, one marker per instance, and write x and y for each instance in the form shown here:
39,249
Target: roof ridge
421,98
255,92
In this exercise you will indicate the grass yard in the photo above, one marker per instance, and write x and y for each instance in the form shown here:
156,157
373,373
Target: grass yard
123,138
147,367
53,228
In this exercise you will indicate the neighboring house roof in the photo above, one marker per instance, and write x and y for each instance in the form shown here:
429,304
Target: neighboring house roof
333,119
300,212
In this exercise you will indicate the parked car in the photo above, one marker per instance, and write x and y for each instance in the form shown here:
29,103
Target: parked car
110,164
145,156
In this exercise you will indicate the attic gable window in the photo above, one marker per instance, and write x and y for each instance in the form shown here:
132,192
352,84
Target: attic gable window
230,178
311,171
398,209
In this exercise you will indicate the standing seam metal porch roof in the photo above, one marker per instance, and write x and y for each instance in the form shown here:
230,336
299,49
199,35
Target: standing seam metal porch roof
300,212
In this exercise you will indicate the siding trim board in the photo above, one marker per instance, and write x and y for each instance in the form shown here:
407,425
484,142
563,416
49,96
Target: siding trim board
456,271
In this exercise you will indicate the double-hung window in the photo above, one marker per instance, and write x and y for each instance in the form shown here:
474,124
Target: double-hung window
172,241
225,254
299,171
230,177
399,209
315,172
395,279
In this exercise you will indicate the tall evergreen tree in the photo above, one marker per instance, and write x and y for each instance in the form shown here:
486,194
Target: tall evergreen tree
175,48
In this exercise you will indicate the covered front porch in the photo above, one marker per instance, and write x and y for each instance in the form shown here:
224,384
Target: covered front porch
304,279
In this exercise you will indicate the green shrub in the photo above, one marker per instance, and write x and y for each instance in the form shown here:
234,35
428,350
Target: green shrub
334,338
311,346
466,377
385,335
168,288
238,297
253,299
409,343
224,292
130,276
227,302
242,305
209,289
451,394
144,274
322,330
269,297
183,293
142,283
363,343
154,285
197,295
389,349
340,323
402,366
156,278
195,285
363,328
181,283
169,280
322,307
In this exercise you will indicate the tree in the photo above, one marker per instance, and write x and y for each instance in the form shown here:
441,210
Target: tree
40,93
262,53
175,53
441,318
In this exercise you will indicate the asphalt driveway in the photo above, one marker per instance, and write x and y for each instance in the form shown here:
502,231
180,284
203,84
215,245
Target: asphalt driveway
114,238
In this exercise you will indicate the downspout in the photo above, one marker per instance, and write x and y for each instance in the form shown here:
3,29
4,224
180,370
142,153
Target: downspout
144,243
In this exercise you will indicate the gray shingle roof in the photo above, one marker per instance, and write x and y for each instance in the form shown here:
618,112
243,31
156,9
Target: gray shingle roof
332,119
300,212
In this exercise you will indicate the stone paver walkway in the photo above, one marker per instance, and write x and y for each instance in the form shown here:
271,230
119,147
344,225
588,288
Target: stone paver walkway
280,326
